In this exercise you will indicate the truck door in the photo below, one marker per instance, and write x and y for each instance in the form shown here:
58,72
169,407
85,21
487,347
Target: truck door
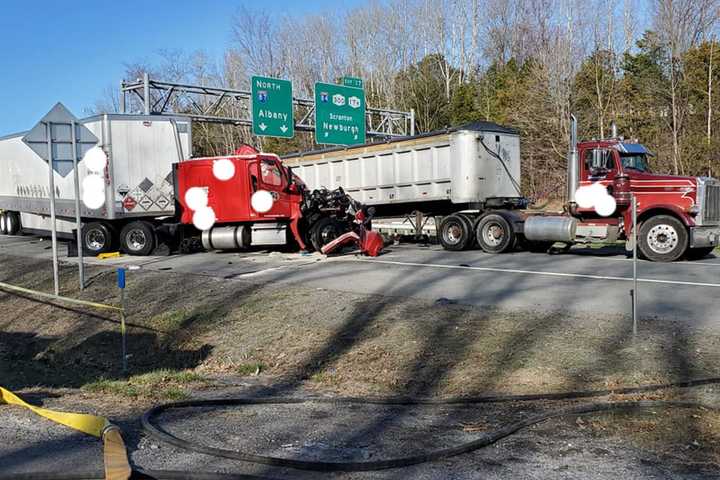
599,164
273,180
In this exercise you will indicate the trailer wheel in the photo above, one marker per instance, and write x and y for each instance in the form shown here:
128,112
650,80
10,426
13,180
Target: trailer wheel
12,223
494,234
698,253
455,232
137,238
324,231
663,238
3,224
97,238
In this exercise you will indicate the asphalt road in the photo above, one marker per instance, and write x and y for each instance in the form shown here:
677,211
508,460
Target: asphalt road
592,280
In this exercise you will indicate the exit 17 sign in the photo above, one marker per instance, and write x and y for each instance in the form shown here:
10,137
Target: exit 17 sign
272,107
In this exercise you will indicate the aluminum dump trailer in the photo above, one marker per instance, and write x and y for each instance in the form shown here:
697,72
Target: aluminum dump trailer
139,183
475,166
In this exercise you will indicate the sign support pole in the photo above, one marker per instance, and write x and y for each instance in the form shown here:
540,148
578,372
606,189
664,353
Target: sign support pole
78,223
635,277
53,229
123,328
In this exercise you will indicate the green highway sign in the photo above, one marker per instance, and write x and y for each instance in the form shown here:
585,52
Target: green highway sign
352,82
272,107
339,114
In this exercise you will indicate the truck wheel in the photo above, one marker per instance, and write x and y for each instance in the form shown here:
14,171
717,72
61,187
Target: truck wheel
3,224
494,234
698,253
12,223
137,238
455,232
663,238
97,238
324,231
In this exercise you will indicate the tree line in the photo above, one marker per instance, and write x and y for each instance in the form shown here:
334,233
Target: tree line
651,66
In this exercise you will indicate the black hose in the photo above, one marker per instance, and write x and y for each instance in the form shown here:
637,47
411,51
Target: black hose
487,439
502,162
137,474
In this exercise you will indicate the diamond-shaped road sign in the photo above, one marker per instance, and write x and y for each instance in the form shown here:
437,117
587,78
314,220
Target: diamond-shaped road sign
60,121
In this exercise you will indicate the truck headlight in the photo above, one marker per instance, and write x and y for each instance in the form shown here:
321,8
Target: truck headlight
694,210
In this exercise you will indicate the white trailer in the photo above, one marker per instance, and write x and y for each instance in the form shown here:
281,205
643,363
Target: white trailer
461,173
139,182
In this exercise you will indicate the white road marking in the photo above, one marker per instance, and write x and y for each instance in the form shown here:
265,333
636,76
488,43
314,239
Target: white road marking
549,274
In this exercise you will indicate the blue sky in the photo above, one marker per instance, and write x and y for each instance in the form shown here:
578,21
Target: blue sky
71,52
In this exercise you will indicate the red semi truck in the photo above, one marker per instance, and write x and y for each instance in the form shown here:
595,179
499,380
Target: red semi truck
259,202
677,215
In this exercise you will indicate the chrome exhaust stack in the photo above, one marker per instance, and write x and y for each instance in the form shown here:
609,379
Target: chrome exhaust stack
573,179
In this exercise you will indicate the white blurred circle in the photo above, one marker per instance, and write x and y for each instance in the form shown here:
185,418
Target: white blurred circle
262,201
584,197
93,199
93,182
223,169
204,218
196,198
597,191
606,206
95,159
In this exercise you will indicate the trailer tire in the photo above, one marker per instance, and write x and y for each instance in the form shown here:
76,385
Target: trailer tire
97,238
3,223
456,232
12,223
495,234
698,253
138,238
324,231
663,238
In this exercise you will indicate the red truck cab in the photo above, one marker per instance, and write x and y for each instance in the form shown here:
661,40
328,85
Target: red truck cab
676,214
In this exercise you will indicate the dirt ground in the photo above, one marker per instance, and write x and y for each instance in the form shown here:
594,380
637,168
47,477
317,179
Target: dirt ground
190,335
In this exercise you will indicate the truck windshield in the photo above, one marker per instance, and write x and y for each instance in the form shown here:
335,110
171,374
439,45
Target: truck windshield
635,161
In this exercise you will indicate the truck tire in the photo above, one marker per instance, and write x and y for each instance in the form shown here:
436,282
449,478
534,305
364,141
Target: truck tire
698,253
137,238
324,231
12,223
456,232
494,234
663,238
3,224
97,238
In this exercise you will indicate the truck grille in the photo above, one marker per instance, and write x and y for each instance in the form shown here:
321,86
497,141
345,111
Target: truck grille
711,204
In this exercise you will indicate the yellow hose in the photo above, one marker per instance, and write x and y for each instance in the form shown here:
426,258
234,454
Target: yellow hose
116,462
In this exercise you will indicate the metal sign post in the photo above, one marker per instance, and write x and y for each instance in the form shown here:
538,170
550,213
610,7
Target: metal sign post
51,194
123,330
78,222
635,277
